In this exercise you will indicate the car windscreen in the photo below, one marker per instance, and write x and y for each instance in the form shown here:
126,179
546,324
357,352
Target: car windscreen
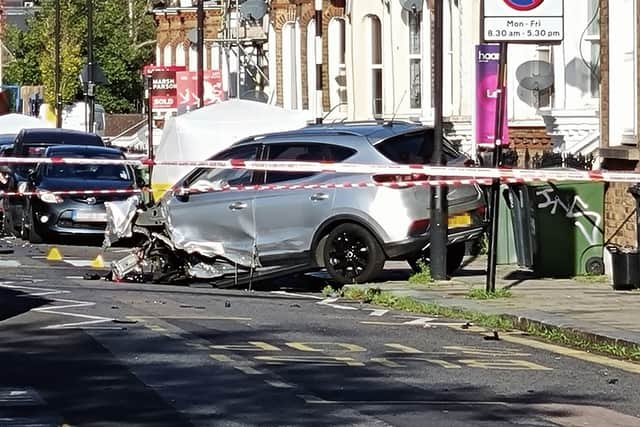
414,148
90,172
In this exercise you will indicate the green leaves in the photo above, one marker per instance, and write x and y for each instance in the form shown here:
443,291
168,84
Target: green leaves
118,30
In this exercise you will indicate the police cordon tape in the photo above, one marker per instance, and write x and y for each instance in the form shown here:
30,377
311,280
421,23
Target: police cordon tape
474,173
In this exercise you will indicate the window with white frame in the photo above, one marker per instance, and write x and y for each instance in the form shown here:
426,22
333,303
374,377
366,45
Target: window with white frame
544,95
290,66
168,55
311,64
415,60
375,65
180,54
592,37
337,66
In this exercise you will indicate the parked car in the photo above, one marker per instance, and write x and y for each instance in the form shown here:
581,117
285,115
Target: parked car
48,215
312,221
33,143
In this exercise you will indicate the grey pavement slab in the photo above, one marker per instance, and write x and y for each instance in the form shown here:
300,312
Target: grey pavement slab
585,305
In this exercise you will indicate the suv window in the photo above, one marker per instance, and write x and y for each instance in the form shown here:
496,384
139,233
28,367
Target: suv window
208,177
302,152
411,149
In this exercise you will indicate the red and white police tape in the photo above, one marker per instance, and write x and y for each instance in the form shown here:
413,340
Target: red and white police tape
449,175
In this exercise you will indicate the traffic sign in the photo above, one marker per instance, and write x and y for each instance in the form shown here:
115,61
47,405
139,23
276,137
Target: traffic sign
523,21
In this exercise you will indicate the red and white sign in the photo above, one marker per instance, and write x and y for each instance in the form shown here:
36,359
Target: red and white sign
533,21
164,88
187,89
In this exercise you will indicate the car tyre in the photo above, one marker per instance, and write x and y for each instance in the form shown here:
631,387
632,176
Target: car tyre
352,254
455,256
8,229
29,232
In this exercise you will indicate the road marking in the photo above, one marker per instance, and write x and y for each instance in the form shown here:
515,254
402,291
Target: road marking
141,318
197,345
415,322
318,401
386,362
329,302
78,262
378,313
221,358
314,347
279,384
633,368
504,365
9,263
486,352
252,346
55,309
404,349
291,294
248,370
317,360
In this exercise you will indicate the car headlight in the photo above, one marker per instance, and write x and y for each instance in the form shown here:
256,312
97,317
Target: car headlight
49,197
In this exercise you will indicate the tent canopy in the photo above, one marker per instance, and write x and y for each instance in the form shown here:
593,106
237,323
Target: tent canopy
14,123
201,133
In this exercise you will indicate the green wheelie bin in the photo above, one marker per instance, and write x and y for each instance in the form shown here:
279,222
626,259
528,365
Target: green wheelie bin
565,224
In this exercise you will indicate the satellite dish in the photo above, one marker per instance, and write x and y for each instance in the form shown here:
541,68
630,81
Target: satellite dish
253,10
535,75
412,5
255,95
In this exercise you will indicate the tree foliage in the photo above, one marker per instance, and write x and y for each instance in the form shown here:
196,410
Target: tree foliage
119,33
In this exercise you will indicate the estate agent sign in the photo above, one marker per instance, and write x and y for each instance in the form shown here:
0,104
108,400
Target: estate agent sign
523,21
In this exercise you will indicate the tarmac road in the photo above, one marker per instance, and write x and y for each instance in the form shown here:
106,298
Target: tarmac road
94,352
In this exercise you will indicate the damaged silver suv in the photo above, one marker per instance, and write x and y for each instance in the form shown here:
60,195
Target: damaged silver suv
226,224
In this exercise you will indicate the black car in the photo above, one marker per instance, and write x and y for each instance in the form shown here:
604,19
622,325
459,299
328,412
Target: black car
48,215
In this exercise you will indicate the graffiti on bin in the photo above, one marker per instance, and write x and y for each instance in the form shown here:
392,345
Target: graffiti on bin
576,209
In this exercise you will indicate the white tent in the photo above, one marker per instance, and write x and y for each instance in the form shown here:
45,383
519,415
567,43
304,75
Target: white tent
200,134
14,123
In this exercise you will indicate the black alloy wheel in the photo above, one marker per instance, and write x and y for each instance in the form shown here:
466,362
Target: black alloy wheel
352,254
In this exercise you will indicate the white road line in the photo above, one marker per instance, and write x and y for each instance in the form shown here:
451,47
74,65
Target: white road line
296,295
378,313
279,384
420,321
317,401
329,302
55,309
248,370
78,262
9,263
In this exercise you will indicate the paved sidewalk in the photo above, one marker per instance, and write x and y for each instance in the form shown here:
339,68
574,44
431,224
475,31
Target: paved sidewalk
592,308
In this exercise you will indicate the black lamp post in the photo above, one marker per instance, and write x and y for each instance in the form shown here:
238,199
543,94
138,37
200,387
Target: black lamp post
90,90
58,95
200,52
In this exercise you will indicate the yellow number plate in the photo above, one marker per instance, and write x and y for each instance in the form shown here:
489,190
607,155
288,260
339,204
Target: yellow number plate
460,220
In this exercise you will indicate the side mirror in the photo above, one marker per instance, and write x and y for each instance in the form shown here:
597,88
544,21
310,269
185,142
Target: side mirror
23,186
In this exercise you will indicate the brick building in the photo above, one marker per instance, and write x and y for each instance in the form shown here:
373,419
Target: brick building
620,110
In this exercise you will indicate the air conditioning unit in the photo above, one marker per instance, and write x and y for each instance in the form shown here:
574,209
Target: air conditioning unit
28,4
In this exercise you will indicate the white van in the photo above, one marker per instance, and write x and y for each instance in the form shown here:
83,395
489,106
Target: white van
75,116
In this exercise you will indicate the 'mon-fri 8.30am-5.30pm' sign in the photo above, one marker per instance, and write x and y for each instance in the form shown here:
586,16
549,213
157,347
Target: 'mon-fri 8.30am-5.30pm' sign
523,21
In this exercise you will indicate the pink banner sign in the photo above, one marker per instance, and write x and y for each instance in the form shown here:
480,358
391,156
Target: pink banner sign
487,63
187,89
